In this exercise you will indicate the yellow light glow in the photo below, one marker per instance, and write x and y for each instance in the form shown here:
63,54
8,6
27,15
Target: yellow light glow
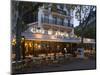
49,32
66,34
62,34
25,44
23,39
53,37
35,44
38,35
30,45
39,46
58,32
13,42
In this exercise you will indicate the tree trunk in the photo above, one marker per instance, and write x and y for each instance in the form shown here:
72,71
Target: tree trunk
23,49
18,40
82,37
81,28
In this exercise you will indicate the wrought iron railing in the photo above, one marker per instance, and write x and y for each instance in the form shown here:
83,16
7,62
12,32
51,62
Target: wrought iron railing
56,22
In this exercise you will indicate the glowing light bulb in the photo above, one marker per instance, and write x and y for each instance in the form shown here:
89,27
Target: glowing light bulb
50,32
25,44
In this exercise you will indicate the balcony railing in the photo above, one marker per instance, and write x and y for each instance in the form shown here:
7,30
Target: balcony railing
59,11
56,22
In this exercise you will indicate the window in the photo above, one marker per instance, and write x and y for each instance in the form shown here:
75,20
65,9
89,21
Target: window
46,19
60,21
61,6
54,20
35,17
57,21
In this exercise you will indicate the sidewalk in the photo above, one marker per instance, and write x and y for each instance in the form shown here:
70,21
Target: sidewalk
75,64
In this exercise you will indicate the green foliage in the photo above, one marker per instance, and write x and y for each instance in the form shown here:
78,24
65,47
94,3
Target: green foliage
88,32
82,12
85,14
20,10
78,31
54,7
25,12
71,7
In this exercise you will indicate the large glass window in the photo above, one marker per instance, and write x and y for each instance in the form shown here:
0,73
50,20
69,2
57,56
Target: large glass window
46,19
60,21
54,20
61,6
35,17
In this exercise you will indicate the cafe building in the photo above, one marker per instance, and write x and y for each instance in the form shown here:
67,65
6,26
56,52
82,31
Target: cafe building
51,32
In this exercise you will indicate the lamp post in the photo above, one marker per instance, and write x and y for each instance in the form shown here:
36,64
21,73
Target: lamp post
23,47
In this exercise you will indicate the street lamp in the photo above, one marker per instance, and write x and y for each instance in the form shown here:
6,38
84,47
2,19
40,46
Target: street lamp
23,39
23,46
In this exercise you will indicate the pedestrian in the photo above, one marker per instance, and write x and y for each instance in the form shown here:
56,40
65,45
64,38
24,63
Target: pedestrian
65,52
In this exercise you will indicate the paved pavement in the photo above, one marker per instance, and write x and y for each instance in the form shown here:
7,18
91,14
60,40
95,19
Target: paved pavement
78,64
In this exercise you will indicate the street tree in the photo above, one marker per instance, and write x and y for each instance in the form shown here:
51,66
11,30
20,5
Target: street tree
88,27
19,10
81,14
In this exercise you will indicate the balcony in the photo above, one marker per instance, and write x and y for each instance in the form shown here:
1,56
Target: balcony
58,13
56,22
56,25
